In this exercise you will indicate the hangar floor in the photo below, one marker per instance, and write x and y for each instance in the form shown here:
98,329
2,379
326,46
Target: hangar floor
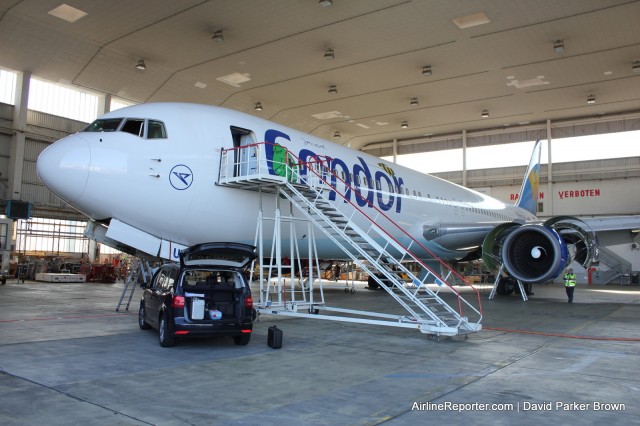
66,357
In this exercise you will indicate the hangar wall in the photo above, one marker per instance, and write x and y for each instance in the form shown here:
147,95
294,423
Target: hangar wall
41,130
583,198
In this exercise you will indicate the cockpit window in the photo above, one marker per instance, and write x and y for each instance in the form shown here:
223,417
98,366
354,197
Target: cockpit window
104,125
134,126
156,130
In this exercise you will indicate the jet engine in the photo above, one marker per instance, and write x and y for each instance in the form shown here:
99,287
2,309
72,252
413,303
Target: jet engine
536,253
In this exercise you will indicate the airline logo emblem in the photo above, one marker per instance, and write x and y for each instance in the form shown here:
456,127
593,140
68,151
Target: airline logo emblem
181,177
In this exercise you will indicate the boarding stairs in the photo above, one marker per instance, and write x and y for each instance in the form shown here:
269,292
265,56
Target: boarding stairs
366,237
619,268
140,273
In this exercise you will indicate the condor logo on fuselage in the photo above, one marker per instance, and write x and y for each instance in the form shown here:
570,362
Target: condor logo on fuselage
281,162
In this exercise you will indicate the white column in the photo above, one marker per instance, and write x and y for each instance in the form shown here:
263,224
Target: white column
548,198
104,104
92,251
464,158
395,151
16,152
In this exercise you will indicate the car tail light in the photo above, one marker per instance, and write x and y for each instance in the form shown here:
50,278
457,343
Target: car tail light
245,331
178,302
181,332
248,302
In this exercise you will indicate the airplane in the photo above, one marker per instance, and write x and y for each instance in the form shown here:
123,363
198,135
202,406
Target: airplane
146,177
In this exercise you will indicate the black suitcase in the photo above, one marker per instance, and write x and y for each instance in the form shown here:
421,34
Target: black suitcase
274,337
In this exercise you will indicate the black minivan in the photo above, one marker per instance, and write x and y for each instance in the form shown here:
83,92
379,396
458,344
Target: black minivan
207,294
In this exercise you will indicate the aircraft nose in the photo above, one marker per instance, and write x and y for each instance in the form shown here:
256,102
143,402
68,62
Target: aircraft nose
64,167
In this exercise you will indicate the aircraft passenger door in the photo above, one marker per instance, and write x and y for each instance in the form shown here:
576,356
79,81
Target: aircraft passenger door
246,154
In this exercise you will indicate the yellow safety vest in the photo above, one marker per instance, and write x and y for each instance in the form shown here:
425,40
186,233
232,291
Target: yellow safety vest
570,280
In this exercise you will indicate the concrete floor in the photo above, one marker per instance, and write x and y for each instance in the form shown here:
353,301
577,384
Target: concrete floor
66,357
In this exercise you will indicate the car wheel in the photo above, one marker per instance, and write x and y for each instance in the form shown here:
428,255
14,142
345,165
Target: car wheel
141,321
242,339
167,339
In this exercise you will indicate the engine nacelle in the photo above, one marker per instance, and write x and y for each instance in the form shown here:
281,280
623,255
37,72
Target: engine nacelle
534,253
537,253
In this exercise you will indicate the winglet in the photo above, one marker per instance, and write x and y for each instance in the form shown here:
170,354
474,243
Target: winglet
528,198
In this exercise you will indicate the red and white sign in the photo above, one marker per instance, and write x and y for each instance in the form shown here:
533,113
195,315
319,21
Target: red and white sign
579,193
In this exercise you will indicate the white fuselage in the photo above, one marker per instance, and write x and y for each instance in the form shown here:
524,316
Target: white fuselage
166,187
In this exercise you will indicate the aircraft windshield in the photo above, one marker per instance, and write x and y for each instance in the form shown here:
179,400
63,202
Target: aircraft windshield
104,125
153,129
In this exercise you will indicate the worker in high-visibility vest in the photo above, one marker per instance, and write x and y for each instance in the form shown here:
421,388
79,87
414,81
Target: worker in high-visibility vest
569,284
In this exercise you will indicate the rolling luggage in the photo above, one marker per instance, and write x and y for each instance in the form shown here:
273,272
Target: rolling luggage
274,337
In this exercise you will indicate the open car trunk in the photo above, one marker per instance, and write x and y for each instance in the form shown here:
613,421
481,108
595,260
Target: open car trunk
213,296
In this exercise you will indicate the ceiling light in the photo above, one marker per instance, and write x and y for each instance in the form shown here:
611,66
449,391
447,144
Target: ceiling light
141,65
471,20
329,54
336,135
235,79
426,71
217,36
333,90
404,125
558,46
635,66
414,102
485,113
591,99
325,3
258,106
68,13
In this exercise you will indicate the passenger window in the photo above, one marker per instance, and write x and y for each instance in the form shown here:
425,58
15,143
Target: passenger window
134,126
156,130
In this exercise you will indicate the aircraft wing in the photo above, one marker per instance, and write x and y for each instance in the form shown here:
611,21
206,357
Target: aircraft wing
613,223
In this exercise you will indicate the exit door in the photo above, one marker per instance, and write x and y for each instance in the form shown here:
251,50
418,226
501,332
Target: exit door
246,153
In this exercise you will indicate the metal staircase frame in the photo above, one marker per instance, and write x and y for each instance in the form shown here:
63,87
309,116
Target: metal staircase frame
141,272
363,238
274,295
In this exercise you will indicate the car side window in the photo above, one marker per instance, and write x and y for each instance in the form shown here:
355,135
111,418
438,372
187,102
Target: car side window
172,276
163,280
157,280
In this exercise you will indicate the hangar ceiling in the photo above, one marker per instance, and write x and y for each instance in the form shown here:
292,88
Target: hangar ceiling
508,66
